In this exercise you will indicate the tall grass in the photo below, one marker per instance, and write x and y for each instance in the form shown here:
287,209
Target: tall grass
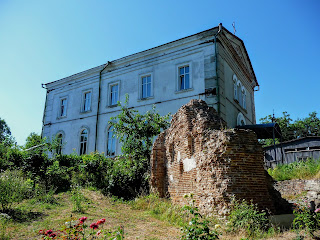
161,209
298,170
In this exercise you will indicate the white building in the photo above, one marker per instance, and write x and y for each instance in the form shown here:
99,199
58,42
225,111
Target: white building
212,65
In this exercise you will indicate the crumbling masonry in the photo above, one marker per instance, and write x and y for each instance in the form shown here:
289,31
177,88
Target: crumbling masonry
198,155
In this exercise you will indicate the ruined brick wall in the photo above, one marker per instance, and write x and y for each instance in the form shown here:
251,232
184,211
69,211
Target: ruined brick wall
198,155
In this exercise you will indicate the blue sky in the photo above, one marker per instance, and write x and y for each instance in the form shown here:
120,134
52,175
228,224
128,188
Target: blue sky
43,41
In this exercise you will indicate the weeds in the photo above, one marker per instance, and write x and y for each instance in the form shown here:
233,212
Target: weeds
305,218
4,219
246,216
162,209
198,227
77,199
296,170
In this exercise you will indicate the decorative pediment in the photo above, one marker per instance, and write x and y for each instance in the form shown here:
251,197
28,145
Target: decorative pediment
241,54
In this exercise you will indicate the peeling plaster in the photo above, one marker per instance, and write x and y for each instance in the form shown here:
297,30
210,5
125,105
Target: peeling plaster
189,164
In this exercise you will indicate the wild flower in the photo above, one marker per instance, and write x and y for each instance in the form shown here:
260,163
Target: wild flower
317,210
74,228
94,225
82,219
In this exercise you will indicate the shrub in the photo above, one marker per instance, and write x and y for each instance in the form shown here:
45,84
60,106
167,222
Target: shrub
306,218
77,199
198,227
246,216
13,188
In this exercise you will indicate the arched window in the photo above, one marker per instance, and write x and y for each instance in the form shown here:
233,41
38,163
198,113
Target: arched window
83,141
239,93
111,143
241,120
59,143
235,93
244,96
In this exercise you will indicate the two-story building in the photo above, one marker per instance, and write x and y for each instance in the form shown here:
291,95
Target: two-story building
212,65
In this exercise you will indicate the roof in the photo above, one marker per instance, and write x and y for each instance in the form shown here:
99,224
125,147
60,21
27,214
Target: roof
264,131
294,141
171,42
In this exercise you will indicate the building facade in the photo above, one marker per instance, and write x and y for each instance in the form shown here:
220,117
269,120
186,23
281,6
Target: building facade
212,65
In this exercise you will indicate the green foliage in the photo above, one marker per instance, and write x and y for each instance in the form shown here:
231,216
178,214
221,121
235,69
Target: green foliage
296,170
5,133
246,216
136,131
160,208
4,220
306,219
309,126
198,227
43,195
77,199
13,188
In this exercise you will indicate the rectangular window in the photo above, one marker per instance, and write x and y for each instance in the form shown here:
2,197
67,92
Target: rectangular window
87,101
146,86
114,94
184,79
63,107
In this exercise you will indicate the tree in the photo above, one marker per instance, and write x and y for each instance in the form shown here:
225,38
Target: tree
5,133
309,126
136,131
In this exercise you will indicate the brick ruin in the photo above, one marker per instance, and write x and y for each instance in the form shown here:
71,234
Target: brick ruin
199,155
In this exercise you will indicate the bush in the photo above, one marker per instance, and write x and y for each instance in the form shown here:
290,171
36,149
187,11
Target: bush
13,188
246,216
198,227
296,170
306,218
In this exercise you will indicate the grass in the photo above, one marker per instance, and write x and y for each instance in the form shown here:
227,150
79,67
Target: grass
161,209
309,169
138,224
147,217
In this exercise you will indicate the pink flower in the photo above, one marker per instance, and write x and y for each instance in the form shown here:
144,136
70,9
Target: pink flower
82,219
99,232
52,235
48,232
94,226
317,210
101,221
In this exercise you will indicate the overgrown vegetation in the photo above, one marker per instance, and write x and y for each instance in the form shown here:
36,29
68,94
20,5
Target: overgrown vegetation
29,176
198,227
306,218
296,170
246,216
309,126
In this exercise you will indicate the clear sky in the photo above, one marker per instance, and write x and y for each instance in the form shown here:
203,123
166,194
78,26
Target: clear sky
43,41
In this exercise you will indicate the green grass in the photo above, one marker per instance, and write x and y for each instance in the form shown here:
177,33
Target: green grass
309,169
31,216
161,209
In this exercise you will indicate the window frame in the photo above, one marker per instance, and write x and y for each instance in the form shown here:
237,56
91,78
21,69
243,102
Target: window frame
109,94
178,81
83,101
65,107
59,151
140,84
81,142
113,138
